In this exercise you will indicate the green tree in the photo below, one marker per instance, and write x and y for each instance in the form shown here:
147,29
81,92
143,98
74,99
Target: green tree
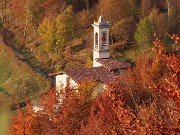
65,28
47,31
144,33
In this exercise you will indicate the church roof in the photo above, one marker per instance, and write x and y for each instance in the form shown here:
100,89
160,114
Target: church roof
96,73
111,64
102,73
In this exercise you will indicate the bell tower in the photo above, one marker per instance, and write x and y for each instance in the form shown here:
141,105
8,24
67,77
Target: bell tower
101,40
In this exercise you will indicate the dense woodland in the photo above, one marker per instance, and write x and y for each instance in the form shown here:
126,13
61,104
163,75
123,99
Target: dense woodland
55,35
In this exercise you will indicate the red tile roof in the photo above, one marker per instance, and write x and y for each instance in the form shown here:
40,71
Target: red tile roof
97,73
111,64
105,73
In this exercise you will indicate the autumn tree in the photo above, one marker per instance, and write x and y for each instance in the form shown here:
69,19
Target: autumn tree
33,12
169,86
108,116
123,29
72,109
81,4
114,10
53,7
159,21
145,101
145,7
17,7
26,123
64,112
3,4
118,13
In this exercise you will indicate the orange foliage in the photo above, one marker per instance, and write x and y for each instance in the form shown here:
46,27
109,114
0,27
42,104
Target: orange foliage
26,123
146,101
53,7
17,7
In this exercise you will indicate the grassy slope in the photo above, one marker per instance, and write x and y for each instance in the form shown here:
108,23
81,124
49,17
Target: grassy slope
5,117
17,82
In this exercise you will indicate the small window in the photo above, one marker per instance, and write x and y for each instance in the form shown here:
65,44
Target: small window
103,38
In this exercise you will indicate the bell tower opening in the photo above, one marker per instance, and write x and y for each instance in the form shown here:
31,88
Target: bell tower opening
101,40
96,41
104,42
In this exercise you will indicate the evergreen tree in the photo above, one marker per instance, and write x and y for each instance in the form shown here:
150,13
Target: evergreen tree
65,26
47,31
144,33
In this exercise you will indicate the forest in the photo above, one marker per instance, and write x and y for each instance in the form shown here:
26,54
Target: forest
56,35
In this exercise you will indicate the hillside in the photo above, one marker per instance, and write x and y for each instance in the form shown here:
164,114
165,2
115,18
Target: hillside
18,82
56,35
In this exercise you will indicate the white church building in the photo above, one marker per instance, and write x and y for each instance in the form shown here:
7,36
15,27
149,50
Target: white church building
105,69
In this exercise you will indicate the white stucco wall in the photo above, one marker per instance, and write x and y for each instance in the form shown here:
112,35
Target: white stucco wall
99,88
73,84
63,81
96,54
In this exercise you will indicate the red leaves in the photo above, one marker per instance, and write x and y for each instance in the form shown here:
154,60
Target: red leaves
145,101
26,123
169,85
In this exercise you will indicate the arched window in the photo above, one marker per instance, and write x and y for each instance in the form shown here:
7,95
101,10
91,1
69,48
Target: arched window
103,38
96,40
104,41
